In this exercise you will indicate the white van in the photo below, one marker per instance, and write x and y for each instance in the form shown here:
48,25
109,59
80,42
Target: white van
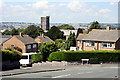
26,59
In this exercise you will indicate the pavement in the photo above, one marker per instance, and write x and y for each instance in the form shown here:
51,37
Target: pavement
48,68
74,72
25,70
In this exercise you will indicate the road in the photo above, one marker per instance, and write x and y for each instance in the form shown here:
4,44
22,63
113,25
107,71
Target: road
74,72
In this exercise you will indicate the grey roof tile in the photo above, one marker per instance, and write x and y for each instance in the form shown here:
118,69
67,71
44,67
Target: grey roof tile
4,38
101,35
26,39
45,38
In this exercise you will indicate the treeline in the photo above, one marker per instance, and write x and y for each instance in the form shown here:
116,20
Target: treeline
31,30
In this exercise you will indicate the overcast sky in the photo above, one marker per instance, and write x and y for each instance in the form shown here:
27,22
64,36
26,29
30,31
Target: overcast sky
60,11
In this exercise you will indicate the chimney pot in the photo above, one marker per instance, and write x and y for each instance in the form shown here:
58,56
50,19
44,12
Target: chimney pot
20,34
107,27
42,35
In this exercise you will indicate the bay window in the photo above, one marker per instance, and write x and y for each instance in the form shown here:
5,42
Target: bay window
90,43
106,45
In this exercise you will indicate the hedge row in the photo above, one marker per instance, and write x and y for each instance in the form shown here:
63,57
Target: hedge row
10,55
78,55
37,57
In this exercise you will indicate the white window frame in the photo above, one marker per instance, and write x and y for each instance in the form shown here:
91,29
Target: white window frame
89,43
80,41
28,46
108,45
34,45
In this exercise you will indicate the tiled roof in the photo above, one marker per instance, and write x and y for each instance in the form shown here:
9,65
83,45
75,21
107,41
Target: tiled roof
101,35
25,39
45,38
4,38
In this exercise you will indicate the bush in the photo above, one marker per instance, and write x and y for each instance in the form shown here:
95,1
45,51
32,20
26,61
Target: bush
78,55
46,48
37,57
94,61
10,55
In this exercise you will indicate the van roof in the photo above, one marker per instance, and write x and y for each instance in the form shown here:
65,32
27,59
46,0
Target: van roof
28,53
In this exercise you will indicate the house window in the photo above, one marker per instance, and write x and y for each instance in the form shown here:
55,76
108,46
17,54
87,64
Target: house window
28,46
12,45
90,43
107,45
34,45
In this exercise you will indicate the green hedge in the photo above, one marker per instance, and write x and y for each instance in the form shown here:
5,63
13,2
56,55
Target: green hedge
10,55
78,55
37,57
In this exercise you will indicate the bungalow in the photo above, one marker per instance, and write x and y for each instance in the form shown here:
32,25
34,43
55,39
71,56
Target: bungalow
42,38
99,40
22,42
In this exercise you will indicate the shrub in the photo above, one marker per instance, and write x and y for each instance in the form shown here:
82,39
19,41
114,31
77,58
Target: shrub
46,48
94,61
78,55
37,57
10,55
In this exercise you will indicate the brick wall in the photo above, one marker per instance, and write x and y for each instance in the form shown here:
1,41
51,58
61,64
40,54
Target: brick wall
97,46
117,46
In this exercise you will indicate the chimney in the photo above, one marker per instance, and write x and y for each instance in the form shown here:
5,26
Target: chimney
42,35
107,27
20,34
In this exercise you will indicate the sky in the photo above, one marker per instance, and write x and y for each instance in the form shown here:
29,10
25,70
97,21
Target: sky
60,11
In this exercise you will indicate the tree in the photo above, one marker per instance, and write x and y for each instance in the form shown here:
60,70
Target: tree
118,28
60,43
21,30
47,48
40,30
6,32
14,32
67,45
95,25
66,27
71,41
79,31
32,31
54,33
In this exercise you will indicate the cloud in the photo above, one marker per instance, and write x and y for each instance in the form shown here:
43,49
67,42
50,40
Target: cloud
114,3
104,11
75,5
40,4
1,3
18,7
71,12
